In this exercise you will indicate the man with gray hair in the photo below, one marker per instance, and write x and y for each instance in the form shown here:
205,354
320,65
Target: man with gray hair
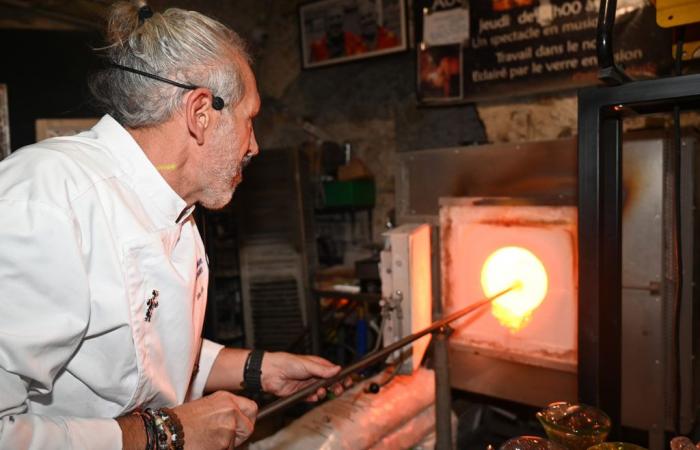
103,270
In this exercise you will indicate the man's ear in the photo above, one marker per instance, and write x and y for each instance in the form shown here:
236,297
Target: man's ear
198,113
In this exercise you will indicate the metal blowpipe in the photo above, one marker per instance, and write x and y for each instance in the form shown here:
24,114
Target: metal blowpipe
375,357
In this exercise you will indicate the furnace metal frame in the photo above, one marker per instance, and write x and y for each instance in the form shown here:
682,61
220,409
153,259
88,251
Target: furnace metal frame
600,112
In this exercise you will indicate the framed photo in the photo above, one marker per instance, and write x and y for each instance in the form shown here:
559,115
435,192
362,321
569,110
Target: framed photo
335,31
4,123
48,128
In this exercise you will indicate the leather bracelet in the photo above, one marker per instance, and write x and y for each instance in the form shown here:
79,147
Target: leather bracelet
150,429
251,371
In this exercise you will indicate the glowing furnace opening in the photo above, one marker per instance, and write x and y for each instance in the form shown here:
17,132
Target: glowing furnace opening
518,267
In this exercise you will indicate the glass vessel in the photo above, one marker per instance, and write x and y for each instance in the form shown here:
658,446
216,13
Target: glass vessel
530,443
575,426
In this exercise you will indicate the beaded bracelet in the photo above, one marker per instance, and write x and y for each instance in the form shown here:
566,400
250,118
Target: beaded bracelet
177,433
167,430
161,433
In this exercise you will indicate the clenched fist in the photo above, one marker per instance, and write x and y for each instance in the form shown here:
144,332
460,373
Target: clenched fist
218,421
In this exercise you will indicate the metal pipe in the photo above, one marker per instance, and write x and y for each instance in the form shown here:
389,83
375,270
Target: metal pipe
373,358
608,71
443,392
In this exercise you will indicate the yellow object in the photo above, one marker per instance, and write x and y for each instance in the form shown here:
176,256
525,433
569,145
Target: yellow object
172,166
514,266
691,50
673,13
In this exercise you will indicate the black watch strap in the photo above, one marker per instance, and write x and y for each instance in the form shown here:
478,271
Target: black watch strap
252,372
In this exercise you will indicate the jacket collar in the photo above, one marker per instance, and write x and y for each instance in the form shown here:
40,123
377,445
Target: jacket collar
147,181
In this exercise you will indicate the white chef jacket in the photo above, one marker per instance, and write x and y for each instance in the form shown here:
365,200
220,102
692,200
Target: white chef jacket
89,231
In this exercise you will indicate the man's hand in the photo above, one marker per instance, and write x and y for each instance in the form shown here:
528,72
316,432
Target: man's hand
218,421
284,374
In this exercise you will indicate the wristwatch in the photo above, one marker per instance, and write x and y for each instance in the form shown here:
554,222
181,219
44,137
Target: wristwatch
252,372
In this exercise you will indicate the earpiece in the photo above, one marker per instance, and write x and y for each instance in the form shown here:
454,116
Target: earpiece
217,103
373,388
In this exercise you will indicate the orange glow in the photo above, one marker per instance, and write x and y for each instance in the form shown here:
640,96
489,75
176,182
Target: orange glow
520,268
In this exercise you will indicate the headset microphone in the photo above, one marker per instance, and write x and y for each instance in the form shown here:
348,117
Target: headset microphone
216,102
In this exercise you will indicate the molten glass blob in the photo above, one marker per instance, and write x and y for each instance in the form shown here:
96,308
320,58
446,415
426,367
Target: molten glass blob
518,268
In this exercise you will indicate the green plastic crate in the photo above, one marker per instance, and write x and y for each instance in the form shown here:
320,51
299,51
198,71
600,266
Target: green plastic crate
354,193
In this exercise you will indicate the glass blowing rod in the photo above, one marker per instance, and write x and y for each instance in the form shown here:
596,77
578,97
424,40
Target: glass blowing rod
375,357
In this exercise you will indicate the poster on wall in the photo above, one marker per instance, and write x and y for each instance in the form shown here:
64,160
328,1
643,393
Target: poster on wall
440,72
440,52
335,31
4,123
520,47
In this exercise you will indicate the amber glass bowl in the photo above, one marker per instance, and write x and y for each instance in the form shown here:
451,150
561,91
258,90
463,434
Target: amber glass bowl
616,446
575,426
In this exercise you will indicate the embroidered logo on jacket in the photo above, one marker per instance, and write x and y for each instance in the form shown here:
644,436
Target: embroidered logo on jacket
151,303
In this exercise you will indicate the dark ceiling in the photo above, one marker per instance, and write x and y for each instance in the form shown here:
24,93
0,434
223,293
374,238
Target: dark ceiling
53,14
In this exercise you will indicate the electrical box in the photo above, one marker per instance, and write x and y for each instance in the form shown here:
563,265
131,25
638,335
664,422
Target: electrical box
405,272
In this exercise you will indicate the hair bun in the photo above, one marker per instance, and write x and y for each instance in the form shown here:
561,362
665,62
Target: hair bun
145,12
125,18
